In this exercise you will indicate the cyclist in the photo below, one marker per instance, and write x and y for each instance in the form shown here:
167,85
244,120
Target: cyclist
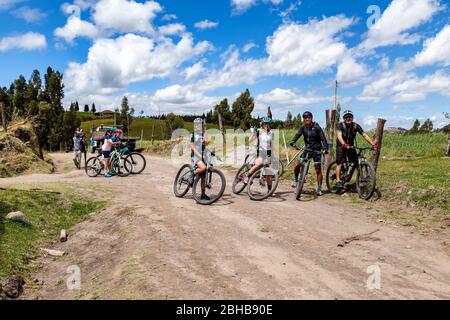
198,145
346,137
315,140
265,138
77,140
107,146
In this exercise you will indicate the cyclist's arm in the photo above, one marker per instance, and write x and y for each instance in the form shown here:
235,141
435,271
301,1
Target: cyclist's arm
297,136
368,139
323,139
341,138
254,136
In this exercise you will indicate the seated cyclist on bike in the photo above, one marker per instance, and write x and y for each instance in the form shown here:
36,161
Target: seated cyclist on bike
265,138
315,140
198,145
346,137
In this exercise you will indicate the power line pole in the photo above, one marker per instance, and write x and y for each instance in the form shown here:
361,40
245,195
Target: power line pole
335,94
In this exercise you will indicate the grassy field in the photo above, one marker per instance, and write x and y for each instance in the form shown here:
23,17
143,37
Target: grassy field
48,212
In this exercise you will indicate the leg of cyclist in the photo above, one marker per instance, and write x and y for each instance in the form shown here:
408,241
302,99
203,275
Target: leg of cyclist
318,167
201,170
258,165
340,159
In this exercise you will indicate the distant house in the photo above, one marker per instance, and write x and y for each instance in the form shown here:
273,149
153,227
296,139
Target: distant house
395,130
106,114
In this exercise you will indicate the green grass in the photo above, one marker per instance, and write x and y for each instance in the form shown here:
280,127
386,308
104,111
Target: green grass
49,213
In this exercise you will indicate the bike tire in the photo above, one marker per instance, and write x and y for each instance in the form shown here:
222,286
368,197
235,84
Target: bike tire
236,187
372,183
123,170
331,178
275,181
132,158
301,181
219,195
95,164
179,174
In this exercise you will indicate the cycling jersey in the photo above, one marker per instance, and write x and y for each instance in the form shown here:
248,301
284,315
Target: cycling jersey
314,137
199,142
349,133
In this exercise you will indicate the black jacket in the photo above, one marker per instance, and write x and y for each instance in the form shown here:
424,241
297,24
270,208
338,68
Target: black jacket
314,137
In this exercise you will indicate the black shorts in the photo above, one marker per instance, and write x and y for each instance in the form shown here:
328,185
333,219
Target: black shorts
343,154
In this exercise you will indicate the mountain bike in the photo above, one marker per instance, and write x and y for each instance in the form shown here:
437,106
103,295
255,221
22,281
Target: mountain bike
304,169
264,182
120,165
214,179
366,175
238,183
136,159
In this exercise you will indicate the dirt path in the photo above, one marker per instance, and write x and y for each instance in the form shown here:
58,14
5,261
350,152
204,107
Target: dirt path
150,245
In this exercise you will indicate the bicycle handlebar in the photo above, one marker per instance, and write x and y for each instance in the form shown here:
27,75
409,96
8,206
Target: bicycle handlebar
307,150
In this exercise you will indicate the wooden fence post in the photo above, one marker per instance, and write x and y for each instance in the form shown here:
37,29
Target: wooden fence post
3,113
222,131
448,148
328,157
379,141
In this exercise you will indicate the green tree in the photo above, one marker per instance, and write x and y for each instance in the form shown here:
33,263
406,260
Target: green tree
53,91
427,126
126,115
93,108
173,122
242,111
224,109
19,102
415,127
86,108
77,106
289,120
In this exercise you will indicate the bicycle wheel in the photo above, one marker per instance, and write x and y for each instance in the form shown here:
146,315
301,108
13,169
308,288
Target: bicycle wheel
301,180
281,168
138,162
366,180
258,187
215,187
122,167
238,184
182,182
331,177
94,167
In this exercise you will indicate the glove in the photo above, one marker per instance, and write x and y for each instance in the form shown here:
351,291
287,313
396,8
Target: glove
325,151
376,147
347,146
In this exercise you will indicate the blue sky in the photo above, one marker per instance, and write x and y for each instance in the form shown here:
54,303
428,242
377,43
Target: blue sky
185,56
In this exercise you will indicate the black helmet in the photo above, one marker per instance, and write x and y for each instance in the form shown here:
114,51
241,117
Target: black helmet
307,114
348,113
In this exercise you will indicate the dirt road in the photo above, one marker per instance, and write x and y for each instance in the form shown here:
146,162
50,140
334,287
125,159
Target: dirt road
150,245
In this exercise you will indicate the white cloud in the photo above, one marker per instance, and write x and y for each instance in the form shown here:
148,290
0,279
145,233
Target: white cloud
172,29
240,6
169,17
29,14
435,49
350,72
125,15
113,64
27,41
74,28
400,84
400,17
306,49
249,46
289,98
6,4
206,24
194,71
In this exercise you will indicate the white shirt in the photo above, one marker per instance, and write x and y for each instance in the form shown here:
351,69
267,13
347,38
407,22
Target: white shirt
107,145
265,140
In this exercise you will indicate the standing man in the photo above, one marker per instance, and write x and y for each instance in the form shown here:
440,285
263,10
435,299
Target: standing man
346,137
315,140
77,140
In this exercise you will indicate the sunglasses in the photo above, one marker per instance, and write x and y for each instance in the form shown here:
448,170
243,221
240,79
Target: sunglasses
348,118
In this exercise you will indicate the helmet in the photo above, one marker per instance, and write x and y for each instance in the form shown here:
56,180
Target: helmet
307,114
266,120
348,113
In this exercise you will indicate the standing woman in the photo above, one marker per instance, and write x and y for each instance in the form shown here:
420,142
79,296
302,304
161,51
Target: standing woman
265,138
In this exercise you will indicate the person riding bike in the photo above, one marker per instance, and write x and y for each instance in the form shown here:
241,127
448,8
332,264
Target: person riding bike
265,138
346,137
198,145
315,140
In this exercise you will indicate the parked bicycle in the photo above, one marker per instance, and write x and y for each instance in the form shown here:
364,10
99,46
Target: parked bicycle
264,182
304,169
238,182
120,165
366,175
215,182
